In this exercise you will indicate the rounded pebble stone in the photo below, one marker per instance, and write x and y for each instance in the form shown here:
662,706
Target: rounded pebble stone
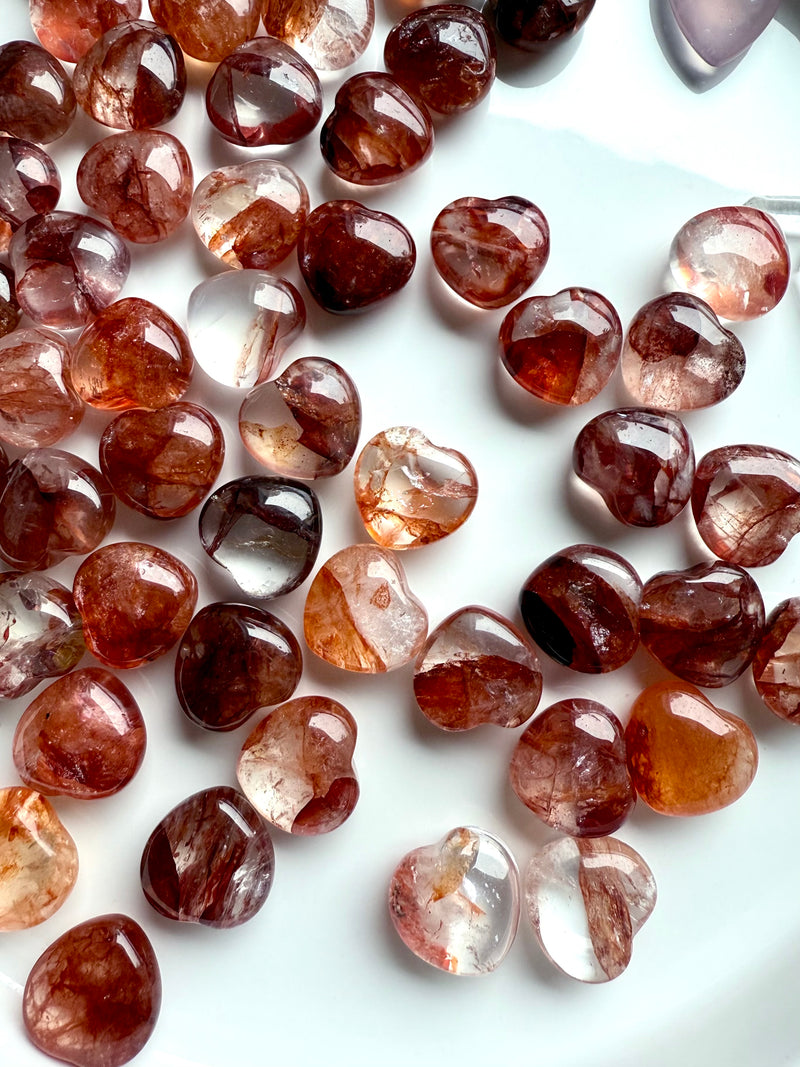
69,28
210,32
37,102
29,181
38,403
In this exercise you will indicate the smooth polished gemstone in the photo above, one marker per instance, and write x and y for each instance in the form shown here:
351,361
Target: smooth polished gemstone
132,78
83,736
330,34
746,503
534,25
720,30
296,766
360,614
241,322
264,93
29,181
39,860
162,463
37,102
250,214
93,997
734,258
444,55
704,623
776,664
586,900
490,251
475,668
677,355
352,256
53,504
69,28
376,132
581,606
41,633
569,767
38,404
141,181
209,32
135,600
411,492
562,348
456,903
9,307
265,532
304,424
641,463
233,660
68,268
686,756
134,355
209,861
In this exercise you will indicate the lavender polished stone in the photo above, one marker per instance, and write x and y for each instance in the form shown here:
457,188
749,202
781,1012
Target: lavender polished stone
720,30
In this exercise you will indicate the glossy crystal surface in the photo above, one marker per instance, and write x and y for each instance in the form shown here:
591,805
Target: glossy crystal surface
37,102
776,664
720,30
210,30
29,181
69,28
330,34
38,403
536,25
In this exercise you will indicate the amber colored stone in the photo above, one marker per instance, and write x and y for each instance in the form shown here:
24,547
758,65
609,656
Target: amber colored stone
686,756
352,256
562,348
37,102
209,861
410,492
490,251
296,766
29,181
746,503
134,355
305,423
360,614
210,32
677,355
38,404
250,214
330,34
53,504
9,307
704,623
58,287
569,767
41,633
83,736
581,607
93,997
39,859
265,532
776,664
135,600
475,668
233,660
264,93
641,463
376,132
534,25
162,463
69,28
132,78
141,181
734,258
444,55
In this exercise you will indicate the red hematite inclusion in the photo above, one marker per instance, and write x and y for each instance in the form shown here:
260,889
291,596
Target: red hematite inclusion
37,102
38,404
776,665
69,28
208,31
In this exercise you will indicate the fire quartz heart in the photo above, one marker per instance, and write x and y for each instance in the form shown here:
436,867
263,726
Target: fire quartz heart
38,402
586,900
69,28
456,903
746,503
93,997
535,25
296,766
776,664
475,668
569,767
686,756
210,32
734,258
9,305
677,355
29,181
37,102
641,462
720,30
330,34
490,251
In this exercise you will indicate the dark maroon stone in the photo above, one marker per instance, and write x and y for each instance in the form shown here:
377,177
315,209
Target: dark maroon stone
533,25
36,98
233,660
29,181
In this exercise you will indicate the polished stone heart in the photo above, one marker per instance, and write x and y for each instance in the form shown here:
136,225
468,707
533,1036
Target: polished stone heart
720,30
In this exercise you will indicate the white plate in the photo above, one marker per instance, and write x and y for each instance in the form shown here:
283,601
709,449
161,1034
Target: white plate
618,152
